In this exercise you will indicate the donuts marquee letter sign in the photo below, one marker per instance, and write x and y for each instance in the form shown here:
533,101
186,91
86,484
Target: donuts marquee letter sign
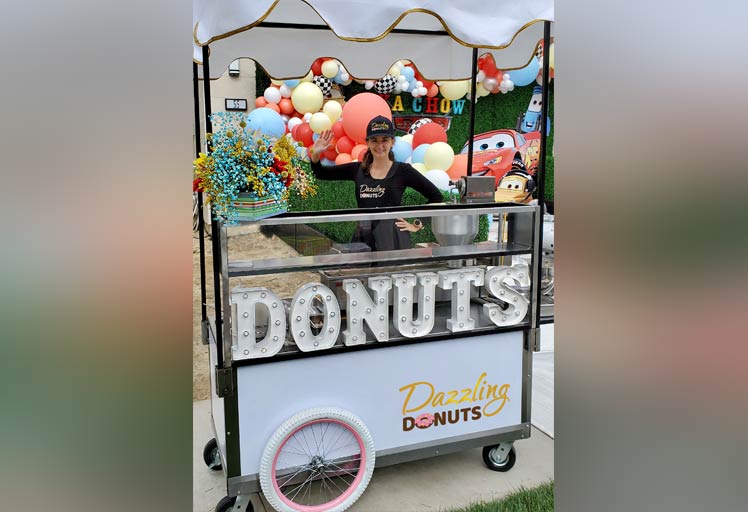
370,305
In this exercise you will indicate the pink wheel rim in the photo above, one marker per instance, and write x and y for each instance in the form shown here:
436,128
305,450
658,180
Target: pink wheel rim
351,487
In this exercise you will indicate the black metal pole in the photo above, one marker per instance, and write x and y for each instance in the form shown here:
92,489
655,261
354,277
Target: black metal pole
200,220
541,167
215,238
473,87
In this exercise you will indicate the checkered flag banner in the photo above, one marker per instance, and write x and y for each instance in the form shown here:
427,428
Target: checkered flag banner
416,125
386,84
324,84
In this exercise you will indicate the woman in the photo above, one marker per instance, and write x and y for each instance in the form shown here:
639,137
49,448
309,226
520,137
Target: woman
380,181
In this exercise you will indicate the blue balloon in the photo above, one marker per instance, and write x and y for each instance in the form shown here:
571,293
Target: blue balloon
292,83
419,153
408,72
315,136
401,149
267,121
325,161
526,75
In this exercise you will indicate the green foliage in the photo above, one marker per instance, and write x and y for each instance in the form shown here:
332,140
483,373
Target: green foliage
338,195
537,499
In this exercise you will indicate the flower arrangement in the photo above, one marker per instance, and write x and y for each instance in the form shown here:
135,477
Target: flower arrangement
249,171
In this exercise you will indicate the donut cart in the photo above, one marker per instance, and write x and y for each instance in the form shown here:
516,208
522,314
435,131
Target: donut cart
371,358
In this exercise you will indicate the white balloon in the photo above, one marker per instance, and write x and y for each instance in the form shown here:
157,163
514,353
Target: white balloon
398,89
293,122
404,86
490,84
480,76
272,94
307,117
345,77
368,84
285,117
439,178
422,91
285,91
419,84
402,79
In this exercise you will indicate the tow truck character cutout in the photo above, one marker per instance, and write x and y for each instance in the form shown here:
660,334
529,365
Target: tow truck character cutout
530,121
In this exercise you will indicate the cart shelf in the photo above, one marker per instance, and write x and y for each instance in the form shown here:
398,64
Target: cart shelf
239,268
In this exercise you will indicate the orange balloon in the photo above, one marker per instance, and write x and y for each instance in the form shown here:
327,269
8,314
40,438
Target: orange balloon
361,109
261,102
458,168
343,158
274,106
433,91
286,106
358,151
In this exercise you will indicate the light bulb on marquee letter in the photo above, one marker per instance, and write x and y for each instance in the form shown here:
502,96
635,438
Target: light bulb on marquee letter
245,321
458,280
403,307
361,308
301,330
517,303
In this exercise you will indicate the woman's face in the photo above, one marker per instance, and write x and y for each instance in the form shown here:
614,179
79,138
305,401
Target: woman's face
380,146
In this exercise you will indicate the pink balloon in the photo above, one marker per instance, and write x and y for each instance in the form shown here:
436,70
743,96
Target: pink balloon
343,158
358,151
361,109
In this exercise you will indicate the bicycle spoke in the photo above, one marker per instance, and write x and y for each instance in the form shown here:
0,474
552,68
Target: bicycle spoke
302,469
301,446
301,485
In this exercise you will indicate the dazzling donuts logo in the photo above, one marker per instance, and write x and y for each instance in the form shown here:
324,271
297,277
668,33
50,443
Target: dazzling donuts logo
422,394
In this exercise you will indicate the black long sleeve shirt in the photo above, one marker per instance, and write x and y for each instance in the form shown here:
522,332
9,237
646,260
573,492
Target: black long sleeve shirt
373,193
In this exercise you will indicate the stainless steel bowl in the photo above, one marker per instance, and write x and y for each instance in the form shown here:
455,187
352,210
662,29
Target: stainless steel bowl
455,229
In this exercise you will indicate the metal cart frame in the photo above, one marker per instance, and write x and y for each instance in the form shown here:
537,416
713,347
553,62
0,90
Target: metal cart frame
525,238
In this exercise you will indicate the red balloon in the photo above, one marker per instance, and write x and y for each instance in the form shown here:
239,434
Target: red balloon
304,134
361,109
261,102
317,66
428,134
331,154
286,106
338,130
433,90
345,144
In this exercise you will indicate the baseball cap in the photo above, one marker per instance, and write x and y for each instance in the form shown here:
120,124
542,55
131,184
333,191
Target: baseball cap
380,126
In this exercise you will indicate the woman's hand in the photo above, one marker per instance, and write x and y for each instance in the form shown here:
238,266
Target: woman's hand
320,145
404,225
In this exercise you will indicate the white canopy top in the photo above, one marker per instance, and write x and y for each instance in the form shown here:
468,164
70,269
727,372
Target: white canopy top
357,30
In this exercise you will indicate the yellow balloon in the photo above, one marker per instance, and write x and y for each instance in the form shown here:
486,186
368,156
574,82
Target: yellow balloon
394,71
330,68
320,122
277,82
481,91
333,110
454,90
550,57
309,76
420,168
439,155
408,138
306,97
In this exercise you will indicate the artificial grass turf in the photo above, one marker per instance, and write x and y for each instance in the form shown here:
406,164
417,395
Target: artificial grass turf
536,499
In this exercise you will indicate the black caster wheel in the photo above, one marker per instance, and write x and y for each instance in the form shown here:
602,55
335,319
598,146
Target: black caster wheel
211,456
492,458
227,504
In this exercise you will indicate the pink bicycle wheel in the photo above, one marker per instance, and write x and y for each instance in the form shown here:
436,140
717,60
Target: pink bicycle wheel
319,460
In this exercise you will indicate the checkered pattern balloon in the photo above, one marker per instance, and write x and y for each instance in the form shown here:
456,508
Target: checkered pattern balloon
324,83
386,84
418,124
